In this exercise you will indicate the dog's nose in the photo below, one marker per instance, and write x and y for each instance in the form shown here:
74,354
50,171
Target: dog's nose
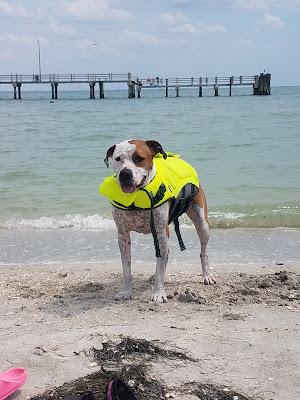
126,175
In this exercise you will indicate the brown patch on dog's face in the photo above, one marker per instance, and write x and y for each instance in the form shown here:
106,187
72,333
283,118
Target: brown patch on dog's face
142,156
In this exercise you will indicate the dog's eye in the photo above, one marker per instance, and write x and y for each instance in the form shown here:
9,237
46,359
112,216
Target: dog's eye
138,159
118,159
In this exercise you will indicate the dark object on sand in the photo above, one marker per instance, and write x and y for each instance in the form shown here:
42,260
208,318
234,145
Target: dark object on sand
118,390
87,396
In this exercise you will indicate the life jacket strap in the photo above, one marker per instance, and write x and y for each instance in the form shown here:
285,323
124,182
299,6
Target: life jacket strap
178,234
152,225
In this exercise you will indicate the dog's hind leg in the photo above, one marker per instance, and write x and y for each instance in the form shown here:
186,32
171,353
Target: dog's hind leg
125,250
198,214
161,222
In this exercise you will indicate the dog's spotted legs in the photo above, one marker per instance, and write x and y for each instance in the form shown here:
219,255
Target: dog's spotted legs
197,215
125,250
160,215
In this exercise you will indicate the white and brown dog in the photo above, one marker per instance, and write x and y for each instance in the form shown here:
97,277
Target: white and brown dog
132,162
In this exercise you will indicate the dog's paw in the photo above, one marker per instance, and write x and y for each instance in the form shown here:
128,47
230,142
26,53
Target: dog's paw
209,279
159,296
123,295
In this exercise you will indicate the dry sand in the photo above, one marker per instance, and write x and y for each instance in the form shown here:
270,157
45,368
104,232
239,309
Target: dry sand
242,332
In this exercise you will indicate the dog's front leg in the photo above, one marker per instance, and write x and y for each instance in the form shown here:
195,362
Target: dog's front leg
161,223
125,250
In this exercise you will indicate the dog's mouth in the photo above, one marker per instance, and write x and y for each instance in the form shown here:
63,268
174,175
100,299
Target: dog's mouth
127,188
130,188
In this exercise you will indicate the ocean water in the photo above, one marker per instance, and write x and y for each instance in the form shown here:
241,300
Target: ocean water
245,148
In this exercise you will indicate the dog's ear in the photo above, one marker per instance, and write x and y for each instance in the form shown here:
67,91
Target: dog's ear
109,154
156,147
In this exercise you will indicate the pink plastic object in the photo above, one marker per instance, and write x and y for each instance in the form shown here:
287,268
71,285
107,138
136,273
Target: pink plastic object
11,380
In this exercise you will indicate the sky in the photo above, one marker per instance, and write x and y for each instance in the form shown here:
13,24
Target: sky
168,38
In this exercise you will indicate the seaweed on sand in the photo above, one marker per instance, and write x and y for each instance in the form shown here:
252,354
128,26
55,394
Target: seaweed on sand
130,347
145,388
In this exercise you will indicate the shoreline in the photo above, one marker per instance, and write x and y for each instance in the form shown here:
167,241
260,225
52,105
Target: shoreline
230,246
241,330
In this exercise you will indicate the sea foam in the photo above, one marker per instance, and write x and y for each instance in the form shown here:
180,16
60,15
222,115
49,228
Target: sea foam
76,221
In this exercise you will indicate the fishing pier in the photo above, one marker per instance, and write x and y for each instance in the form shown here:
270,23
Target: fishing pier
261,84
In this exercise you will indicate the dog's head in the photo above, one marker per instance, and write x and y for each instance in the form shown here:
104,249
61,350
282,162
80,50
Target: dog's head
132,161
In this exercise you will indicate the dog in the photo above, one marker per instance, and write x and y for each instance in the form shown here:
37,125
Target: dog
135,165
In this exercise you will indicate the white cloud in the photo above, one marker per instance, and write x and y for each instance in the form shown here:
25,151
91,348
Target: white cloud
95,10
185,28
140,38
246,43
172,19
181,1
13,10
250,4
179,23
7,55
21,40
272,21
60,30
294,3
197,28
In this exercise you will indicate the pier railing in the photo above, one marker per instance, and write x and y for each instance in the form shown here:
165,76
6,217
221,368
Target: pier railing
198,81
63,78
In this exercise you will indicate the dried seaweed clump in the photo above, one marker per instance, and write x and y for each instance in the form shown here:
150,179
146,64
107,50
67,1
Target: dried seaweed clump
129,348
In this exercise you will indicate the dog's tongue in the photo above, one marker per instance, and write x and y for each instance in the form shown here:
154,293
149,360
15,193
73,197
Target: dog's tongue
127,188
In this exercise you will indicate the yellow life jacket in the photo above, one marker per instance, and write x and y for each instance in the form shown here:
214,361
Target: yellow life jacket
172,174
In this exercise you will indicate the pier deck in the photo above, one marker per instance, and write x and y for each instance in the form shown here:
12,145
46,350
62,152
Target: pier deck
260,83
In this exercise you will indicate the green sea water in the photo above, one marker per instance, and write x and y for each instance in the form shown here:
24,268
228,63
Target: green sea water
245,148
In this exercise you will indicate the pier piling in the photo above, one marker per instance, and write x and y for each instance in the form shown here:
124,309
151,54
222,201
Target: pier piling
131,87
92,90
200,87
262,85
54,86
19,91
138,87
167,87
230,85
101,90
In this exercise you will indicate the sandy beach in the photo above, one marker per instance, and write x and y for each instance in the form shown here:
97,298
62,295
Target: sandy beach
241,334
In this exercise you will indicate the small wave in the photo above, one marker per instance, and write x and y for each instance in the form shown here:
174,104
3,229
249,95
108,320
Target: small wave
77,221
283,216
276,218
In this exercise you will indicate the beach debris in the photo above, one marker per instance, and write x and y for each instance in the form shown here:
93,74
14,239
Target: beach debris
128,348
39,351
214,392
190,296
234,316
63,274
282,275
170,395
144,387
93,364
